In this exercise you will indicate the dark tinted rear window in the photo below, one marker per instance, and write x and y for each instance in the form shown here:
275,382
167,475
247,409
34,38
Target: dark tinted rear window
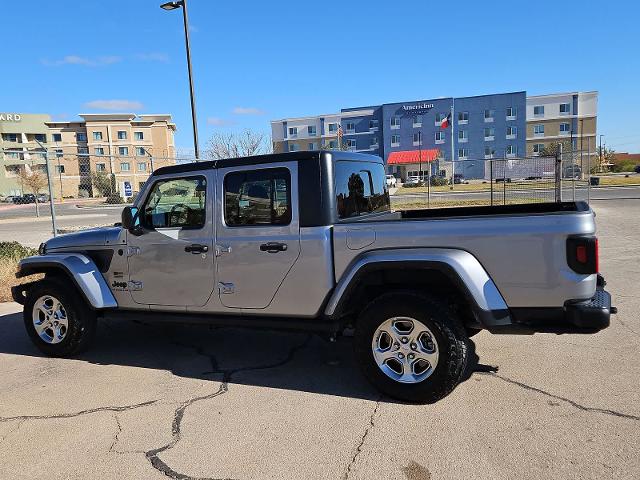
361,188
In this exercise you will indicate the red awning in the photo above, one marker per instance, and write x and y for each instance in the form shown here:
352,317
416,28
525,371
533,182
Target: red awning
413,156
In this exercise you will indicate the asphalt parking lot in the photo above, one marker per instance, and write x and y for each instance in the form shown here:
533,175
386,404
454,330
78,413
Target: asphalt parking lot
150,401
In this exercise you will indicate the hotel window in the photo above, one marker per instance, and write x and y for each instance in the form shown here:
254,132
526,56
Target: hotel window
417,121
489,152
138,135
538,148
142,166
83,150
565,109
463,136
463,118
10,137
293,131
351,144
395,140
311,130
98,151
59,169
333,144
511,113
511,151
101,167
122,135
125,166
512,132
538,110
140,151
333,127
124,151
81,137
58,152
350,127
97,136
373,124
489,133
417,139
565,129
13,154
439,137
463,153
40,137
312,146
293,147
57,137
373,142
538,130
488,115
395,122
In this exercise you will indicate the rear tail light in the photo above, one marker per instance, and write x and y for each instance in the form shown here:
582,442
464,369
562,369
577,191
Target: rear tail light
582,254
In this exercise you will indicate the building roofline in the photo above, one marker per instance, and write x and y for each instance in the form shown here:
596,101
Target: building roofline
307,117
562,94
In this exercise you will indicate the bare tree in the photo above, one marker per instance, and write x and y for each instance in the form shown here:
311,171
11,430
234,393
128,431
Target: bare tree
232,145
33,180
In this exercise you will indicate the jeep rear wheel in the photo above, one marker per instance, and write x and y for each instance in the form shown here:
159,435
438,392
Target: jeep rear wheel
58,322
410,346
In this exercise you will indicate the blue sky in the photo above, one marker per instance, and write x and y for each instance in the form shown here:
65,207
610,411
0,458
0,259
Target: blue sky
255,61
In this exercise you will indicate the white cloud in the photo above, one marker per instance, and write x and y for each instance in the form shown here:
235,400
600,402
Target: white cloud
122,105
219,122
247,111
153,57
84,61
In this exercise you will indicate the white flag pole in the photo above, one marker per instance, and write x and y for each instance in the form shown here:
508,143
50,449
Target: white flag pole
453,154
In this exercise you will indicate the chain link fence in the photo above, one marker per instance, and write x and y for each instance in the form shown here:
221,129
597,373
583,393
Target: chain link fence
503,181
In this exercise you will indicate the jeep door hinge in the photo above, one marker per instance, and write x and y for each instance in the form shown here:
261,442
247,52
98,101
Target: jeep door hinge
131,251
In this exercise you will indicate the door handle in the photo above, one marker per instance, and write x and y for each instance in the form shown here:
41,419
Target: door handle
273,247
196,248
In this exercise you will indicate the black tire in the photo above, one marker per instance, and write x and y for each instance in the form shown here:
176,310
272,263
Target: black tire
81,319
447,329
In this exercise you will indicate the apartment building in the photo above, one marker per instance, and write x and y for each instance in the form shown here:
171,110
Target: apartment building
126,146
569,118
408,135
409,138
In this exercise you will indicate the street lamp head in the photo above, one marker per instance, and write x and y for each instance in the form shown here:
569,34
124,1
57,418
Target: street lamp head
171,5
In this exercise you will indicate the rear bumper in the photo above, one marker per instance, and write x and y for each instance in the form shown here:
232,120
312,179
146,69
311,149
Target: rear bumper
577,316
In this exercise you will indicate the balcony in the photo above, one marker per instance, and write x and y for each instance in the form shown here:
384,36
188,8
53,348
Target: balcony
489,138
511,117
511,136
488,119
440,142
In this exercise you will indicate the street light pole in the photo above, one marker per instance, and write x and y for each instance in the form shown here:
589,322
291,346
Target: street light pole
172,6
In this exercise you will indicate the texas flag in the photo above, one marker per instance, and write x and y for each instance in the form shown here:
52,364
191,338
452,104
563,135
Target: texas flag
446,122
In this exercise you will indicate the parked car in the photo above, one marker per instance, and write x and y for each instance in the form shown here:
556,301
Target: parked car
572,171
458,178
9,199
43,197
307,240
391,181
412,181
637,169
24,199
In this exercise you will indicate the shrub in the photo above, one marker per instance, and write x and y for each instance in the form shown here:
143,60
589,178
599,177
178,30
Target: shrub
438,181
15,251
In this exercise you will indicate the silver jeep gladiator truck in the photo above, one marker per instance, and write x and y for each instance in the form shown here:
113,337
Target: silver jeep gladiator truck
307,240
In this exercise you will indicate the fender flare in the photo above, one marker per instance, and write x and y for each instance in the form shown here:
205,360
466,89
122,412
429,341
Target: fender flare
79,268
459,266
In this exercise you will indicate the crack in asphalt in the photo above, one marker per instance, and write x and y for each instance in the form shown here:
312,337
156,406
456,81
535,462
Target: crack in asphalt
109,408
362,440
604,411
227,374
115,439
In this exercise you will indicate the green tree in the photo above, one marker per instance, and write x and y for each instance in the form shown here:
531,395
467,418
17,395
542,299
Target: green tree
103,183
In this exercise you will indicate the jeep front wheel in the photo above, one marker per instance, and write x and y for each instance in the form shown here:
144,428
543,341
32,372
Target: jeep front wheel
58,322
411,347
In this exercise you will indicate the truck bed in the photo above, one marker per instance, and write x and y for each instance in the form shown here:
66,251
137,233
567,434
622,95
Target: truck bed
522,247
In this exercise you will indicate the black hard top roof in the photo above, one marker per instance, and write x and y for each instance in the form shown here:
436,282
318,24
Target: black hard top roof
261,159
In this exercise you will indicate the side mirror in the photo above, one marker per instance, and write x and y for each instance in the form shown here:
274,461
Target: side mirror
130,220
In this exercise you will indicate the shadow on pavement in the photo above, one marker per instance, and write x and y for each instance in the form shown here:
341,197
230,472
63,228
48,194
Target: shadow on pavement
275,359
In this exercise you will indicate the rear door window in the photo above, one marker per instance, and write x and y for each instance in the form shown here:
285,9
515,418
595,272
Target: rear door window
257,197
361,188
